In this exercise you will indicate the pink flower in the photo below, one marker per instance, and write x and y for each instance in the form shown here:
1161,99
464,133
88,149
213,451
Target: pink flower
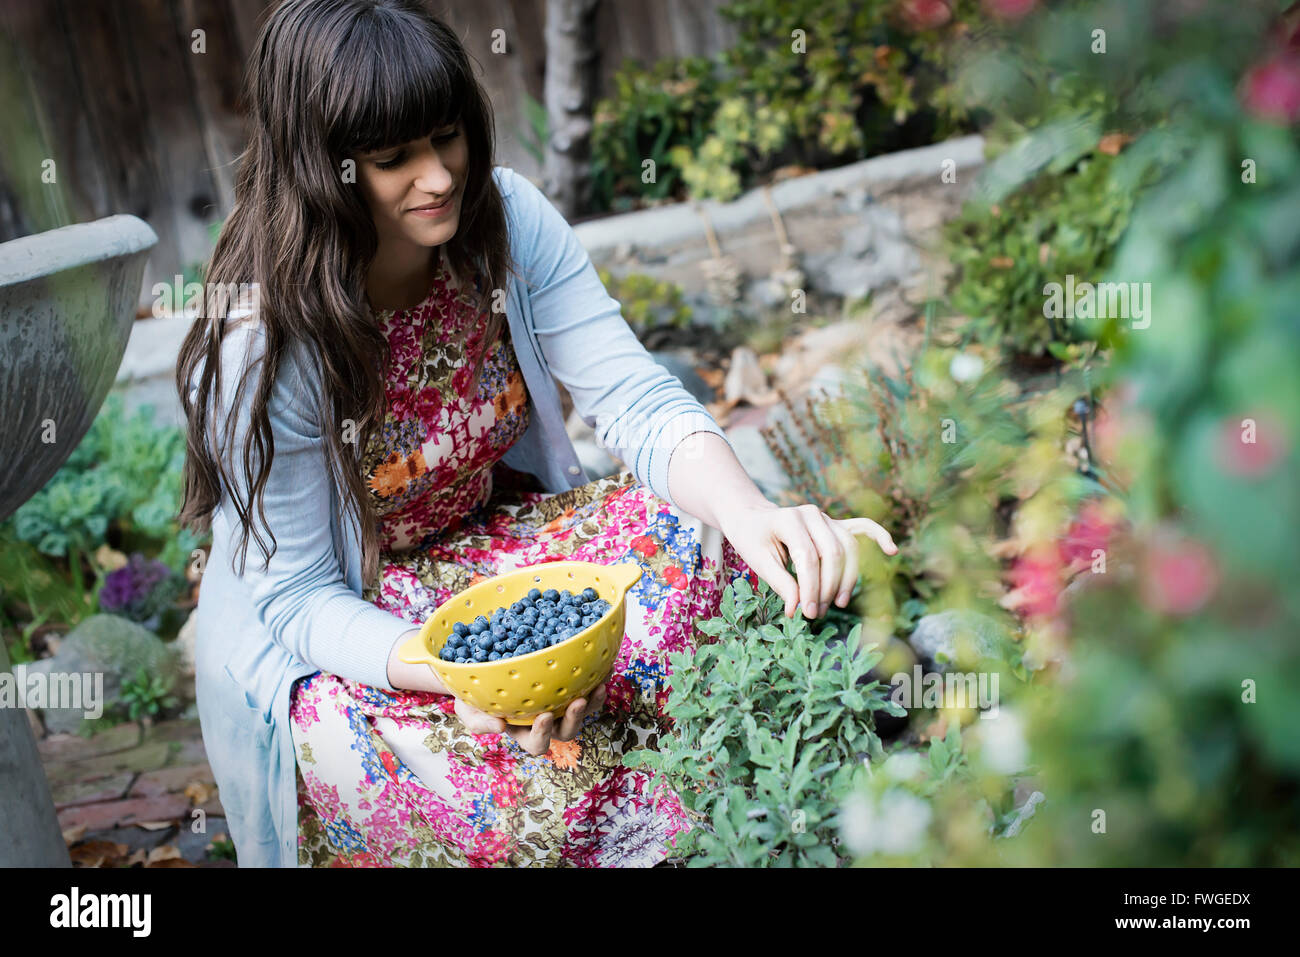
925,14
1251,447
1087,533
1036,577
1271,90
1179,576
1009,9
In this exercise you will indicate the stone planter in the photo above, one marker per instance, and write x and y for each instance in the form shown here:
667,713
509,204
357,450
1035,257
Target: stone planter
68,298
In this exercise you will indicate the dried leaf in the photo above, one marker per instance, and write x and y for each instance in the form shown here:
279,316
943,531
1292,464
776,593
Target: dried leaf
109,558
1008,548
139,857
1112,143
1002,262
74,834
172,862
96,853
163,852
199,792
155,825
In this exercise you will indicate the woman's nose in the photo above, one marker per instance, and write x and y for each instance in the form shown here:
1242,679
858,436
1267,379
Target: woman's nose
433,177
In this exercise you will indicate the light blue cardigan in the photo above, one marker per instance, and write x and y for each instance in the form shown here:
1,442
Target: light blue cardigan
259,633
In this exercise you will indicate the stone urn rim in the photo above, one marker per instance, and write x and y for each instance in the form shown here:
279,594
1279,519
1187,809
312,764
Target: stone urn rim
77,244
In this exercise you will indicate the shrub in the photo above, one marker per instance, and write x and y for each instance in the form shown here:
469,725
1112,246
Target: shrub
647,302
808,82
770,727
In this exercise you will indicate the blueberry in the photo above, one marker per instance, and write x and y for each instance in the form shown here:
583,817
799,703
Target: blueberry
462,660
495,656
589,594
480,654
534,594
511,644
460,628
551,594
477,629
480,620
498,631
573,618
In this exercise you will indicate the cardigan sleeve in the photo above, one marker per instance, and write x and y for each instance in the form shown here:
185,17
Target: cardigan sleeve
638,409
301,596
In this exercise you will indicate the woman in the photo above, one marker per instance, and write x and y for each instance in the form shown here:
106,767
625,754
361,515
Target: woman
392,428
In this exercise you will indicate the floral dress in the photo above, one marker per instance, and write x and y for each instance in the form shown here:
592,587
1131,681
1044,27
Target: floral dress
393,778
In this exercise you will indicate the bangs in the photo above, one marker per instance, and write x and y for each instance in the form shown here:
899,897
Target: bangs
402,86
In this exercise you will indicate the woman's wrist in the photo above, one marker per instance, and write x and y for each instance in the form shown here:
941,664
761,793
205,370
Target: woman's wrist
405,676
707,480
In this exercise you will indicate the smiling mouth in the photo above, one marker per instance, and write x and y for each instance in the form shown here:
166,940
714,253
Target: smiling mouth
430,206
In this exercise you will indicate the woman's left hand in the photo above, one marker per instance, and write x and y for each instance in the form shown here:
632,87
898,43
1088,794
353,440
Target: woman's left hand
824,551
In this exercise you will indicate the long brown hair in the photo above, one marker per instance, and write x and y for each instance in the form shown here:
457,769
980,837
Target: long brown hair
330,79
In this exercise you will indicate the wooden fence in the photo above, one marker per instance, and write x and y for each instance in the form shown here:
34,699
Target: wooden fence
107,108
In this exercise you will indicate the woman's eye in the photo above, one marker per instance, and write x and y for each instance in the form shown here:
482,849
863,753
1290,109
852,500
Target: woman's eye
447,137
389,163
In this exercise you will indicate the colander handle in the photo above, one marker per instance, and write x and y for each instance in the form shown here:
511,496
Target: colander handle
415,652
625,574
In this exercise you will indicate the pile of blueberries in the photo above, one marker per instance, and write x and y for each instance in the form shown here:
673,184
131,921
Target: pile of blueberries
538,620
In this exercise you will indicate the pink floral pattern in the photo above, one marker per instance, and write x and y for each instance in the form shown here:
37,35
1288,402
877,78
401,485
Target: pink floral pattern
393,778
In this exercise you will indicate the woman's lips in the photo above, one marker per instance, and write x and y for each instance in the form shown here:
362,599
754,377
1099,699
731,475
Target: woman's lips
436,211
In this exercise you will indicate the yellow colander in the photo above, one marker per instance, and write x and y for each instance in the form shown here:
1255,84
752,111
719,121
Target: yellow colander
520,688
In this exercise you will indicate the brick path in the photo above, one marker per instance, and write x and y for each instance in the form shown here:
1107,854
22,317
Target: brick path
129,785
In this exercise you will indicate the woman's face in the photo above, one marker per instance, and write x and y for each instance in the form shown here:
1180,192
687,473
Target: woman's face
401,182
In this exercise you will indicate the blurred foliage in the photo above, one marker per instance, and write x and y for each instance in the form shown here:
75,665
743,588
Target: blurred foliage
146,695
1162,735
1152,722
647,302
123,479
939,455
809,82
1058,224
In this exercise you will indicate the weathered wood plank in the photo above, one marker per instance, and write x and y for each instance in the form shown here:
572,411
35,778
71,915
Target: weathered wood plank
217,81
171,149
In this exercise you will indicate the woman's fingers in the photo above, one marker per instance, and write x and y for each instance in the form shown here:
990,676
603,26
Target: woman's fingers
803,552
476,721
852,559
830,551
769,565
535,739
865,526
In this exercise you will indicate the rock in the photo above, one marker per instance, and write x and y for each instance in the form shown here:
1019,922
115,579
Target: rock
872,255
681,364
746,379
114,647
767,293
937,637
816,348
758,461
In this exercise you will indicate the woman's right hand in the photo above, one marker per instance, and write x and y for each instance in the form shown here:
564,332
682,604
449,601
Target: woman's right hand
537,738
